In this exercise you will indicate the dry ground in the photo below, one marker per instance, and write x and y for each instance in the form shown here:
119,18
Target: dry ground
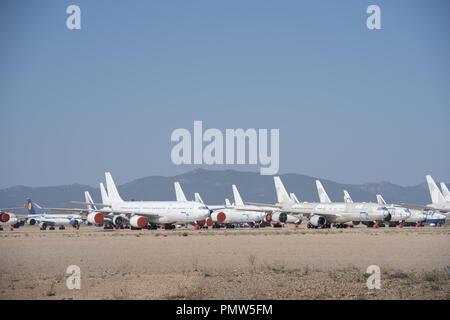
226,264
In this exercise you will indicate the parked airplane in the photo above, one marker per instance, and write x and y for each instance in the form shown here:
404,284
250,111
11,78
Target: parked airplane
49,220
401,215
226,214
323,215
143,214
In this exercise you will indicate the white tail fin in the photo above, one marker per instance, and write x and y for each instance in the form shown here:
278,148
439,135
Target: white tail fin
228,203
294,198
198,198
113,194
323,196
347,197
105,197
435,193
237,197
179,193
89,202
445,192
282,195
380,200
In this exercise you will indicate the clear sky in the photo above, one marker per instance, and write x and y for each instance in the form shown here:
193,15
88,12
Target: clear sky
352,105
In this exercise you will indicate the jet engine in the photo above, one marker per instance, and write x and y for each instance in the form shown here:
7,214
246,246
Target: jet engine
118,221
219,216
31,221
5,217
138,222
96,218
318,221
74,223
279,217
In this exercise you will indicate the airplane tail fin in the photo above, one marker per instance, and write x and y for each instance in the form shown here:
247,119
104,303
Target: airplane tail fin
323,196
435,193
113,194
181,197
445,192
198,198
105,197
282,195
237,197
30,207
228,203
347,197
89,202
294,198
380,200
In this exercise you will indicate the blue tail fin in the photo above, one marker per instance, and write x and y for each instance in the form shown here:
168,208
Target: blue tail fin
30,207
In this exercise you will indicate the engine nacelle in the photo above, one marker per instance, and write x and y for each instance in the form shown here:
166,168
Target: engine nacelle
355,223
317,221
118,221
96,218
279,217
219,216
138,222
208,222
5,217
31,221
74,223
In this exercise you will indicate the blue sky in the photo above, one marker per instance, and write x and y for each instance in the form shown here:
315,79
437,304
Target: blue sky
352,105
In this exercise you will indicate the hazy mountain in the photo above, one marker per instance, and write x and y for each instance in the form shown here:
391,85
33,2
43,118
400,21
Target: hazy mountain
214,186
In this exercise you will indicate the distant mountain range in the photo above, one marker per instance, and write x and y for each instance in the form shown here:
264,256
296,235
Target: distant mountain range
214,187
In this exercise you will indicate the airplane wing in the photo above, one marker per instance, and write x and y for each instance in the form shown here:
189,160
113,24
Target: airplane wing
259,204
421,207
90,204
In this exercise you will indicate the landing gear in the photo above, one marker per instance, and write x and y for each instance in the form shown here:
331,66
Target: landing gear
1,228
169,226
43,226
62,228
51,228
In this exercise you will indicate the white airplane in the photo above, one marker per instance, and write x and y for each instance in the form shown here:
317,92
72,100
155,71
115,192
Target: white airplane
226,214
322,215
49,220
401,215
347,198
144,214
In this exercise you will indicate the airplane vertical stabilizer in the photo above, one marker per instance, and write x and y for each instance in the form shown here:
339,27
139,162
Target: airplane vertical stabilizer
237,197
347,197
435,193
104,194
380,200
323,196
181,197
198,198
282,195
294,198
445,192
113,194
89,202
